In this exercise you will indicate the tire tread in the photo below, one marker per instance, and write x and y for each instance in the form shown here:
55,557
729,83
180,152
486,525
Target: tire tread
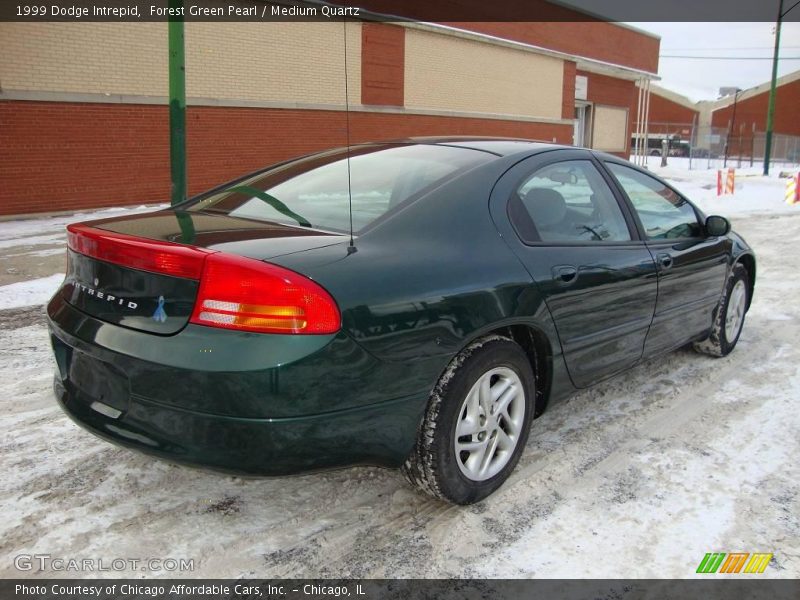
421,468
714,345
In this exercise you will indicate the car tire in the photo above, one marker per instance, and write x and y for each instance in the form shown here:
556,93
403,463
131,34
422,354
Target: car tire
476,423
728,316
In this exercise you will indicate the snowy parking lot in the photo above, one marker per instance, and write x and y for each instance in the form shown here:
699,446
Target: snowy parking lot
638,477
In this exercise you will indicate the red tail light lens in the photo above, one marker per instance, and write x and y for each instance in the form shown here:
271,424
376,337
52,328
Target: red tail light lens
166,258
250,295
235,292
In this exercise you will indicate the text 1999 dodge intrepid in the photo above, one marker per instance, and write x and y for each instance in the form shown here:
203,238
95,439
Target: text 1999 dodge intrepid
246,330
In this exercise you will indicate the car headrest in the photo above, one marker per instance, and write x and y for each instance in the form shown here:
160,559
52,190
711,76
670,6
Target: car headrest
545,206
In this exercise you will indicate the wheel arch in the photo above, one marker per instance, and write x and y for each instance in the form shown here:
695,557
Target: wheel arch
537,346
748,261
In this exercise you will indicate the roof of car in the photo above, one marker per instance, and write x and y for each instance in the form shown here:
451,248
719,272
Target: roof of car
495,145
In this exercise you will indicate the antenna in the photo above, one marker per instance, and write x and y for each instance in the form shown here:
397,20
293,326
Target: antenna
352,247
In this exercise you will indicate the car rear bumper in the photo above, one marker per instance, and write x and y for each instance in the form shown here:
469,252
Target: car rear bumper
368,436
232,420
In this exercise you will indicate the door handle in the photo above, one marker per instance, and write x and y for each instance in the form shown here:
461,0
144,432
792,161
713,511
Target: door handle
565,274
665,261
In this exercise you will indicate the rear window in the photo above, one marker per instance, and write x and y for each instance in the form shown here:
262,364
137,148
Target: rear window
313,191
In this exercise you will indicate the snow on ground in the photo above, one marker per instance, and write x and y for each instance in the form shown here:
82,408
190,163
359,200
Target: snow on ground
29,293
23,228
754,192
33,249
638,477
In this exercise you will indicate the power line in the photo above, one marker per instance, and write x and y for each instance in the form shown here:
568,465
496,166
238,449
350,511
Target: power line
726,48
784,13
727,57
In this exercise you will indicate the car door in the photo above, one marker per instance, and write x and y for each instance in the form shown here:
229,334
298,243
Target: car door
577,239
692,266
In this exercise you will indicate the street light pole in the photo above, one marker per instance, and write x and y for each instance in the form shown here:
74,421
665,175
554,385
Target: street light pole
731,123
773,85
177,106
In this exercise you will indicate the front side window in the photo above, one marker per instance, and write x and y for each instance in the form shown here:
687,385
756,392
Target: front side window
316,191
662,211
567,202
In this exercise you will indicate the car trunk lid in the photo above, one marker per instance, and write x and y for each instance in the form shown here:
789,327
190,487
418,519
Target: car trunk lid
144,271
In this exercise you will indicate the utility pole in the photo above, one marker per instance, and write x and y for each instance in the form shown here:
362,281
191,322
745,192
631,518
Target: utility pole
177,105
730,127
771,109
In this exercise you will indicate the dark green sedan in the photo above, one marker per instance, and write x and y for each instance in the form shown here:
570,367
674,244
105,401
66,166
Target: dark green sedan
413,304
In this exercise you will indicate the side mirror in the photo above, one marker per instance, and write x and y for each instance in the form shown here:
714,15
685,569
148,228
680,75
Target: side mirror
717,226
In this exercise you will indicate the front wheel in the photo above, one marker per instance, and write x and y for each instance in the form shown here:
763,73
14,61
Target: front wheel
728,316
476,424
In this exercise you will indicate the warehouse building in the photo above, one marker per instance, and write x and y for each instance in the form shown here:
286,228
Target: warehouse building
83,106
751,107
736,123
671,117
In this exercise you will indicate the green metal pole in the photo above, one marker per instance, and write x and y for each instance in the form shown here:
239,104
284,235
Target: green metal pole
177,107
771,109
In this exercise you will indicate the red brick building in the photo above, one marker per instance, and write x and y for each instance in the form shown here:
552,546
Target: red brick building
669,116
752,104
84,118
670,113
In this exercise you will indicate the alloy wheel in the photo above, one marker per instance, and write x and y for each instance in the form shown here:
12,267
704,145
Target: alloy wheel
735,314
489,424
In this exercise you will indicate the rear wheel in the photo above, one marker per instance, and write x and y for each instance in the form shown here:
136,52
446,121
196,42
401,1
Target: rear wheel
476,424
728,316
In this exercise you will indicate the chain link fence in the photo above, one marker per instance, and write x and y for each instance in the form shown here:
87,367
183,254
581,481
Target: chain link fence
708,147
716,147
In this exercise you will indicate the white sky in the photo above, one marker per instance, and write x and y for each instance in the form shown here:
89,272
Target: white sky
701,79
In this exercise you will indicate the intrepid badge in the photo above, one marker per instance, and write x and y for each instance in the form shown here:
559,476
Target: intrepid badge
160,315
101,295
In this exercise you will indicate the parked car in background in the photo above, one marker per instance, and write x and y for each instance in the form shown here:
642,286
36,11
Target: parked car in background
264,327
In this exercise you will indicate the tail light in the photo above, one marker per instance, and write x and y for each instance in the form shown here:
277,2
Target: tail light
166,258
250,295
235,292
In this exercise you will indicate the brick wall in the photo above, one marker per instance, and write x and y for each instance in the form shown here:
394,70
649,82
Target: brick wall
753,110
382,64
451,73
613,92
298,62
568,91
666,116
97,58
540,23
62,156
603,41
663,110
275,62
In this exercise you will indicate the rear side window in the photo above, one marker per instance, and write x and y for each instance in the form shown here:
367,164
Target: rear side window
313,192
664,213
567,202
